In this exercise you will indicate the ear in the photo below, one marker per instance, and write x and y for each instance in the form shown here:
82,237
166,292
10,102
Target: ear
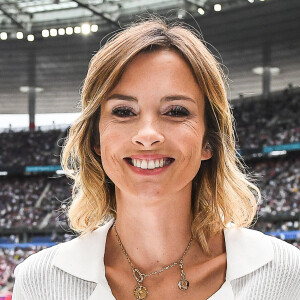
97,150
207,152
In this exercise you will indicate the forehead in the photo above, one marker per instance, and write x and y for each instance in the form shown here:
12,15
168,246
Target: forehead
159,61
158,73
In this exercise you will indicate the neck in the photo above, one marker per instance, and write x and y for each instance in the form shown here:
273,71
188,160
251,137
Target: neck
153,234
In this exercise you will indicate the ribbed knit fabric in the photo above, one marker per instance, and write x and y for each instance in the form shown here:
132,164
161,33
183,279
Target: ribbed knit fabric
277,280
37,279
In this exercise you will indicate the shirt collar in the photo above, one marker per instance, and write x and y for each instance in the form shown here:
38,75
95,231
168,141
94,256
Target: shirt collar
247,250
83,257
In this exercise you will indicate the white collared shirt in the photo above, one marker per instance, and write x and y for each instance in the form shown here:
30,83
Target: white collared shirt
259,267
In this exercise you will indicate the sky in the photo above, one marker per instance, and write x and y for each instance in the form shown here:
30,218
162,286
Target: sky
22,120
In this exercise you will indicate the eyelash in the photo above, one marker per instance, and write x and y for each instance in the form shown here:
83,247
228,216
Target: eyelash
123,109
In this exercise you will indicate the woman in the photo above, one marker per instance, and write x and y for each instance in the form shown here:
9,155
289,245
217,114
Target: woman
154,149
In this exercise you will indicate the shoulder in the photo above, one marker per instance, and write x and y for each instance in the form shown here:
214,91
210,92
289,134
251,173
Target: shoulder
273,266
38,276
286,256
36,263
32,272
255,239
282,274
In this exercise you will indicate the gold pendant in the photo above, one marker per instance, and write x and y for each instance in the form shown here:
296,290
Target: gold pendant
183,284
140,292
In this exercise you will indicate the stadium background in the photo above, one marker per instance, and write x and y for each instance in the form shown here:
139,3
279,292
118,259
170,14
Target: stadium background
257,43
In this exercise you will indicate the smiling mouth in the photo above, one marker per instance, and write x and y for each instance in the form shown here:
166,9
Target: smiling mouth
150,164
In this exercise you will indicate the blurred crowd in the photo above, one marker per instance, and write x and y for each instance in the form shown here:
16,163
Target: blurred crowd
27,201
279,182
18,197
268,122
9,259
277,226
35,148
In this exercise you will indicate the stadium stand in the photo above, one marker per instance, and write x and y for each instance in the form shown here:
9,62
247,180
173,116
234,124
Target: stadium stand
276,119
279,183
29,148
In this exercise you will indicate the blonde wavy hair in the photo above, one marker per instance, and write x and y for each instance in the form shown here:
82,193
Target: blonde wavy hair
222,191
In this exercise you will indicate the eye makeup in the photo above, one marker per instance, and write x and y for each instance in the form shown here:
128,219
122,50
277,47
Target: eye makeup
176,111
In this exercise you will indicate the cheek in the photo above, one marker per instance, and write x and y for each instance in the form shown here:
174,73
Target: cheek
110,157
112,140
110,132
191,140
194,133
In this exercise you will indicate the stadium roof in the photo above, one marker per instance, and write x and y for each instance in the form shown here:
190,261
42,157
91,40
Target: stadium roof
241,32
34,15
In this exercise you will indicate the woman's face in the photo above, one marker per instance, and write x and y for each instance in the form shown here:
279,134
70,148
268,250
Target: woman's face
154,119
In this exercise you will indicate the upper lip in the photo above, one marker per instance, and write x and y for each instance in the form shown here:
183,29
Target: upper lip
148,156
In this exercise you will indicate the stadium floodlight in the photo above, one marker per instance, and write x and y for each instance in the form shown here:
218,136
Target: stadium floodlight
201,11
3,173
25,89
53,32
3,36
30,37
94,28
61,31
19,35
217,7
69,30
45,33
260,70
251,1
85,28
77,29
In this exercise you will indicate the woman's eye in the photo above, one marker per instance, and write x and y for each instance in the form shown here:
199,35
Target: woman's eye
122,112
125,112
178,111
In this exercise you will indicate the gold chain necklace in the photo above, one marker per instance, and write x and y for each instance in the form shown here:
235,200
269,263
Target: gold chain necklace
141,292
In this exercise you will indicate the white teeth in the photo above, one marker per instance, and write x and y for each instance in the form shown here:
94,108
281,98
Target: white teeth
151,164
161,162
144,165
138,163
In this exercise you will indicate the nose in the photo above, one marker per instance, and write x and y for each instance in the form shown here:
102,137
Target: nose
148,133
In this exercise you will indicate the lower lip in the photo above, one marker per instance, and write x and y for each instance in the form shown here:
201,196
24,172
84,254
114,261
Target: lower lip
147,171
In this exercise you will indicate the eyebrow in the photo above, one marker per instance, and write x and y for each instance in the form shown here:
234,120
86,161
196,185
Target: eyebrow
166,98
